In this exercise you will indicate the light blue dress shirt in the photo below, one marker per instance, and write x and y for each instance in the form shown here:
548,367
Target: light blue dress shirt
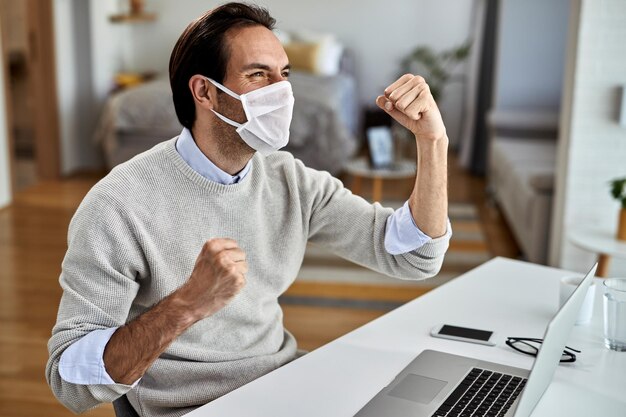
82,362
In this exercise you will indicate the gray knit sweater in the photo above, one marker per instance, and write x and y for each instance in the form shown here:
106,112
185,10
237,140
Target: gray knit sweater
135,238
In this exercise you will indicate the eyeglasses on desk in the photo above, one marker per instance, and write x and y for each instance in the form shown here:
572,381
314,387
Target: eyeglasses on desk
530,346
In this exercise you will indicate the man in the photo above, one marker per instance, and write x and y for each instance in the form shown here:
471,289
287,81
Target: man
142,313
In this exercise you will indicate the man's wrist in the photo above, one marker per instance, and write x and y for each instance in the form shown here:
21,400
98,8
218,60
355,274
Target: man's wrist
184,302
429,144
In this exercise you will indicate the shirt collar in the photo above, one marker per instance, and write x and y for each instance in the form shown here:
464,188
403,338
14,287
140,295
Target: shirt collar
193,156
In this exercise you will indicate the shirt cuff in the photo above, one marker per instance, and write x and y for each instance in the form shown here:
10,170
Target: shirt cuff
402,234
82,363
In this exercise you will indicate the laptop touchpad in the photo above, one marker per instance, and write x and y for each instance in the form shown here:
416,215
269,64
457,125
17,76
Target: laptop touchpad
418,388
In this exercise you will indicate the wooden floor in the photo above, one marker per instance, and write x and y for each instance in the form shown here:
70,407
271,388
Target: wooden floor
32,245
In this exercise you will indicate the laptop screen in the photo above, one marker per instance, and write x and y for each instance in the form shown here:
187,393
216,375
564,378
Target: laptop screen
554,342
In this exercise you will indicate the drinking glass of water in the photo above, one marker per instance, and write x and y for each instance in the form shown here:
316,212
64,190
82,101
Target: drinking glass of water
615,313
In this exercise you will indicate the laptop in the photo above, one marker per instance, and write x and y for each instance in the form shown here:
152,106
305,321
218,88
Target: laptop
441,384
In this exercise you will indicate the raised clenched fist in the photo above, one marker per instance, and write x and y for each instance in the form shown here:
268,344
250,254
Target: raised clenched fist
409,101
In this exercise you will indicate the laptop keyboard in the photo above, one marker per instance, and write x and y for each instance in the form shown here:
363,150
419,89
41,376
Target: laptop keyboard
482,393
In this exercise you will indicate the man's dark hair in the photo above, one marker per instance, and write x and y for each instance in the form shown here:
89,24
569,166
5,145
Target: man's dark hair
203,49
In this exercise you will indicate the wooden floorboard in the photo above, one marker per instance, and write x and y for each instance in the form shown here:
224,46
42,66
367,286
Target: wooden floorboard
33,233
315,326
397,293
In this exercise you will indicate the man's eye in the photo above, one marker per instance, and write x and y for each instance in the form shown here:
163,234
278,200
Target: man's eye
286,74
258,74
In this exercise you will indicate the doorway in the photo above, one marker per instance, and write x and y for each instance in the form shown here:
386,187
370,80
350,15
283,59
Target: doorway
28,49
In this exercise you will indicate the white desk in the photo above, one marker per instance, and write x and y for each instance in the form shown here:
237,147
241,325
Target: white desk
511,297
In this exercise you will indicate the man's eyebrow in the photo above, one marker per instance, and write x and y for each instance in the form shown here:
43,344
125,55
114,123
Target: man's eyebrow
256,65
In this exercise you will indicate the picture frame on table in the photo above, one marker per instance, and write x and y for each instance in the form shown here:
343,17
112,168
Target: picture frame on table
380,145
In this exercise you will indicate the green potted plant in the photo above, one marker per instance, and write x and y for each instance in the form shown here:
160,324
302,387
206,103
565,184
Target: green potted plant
618,191
435,67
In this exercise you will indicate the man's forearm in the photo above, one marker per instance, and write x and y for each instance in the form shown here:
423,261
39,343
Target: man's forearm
134,347
429,199
217,277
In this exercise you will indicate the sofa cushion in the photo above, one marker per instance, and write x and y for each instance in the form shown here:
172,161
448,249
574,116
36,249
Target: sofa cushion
524,119
521,174
531,160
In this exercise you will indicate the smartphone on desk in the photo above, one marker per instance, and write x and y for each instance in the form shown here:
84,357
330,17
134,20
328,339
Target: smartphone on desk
464,334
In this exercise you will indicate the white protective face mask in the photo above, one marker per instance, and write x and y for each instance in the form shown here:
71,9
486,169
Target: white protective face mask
268,111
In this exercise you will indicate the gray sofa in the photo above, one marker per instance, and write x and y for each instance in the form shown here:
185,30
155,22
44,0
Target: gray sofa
522,159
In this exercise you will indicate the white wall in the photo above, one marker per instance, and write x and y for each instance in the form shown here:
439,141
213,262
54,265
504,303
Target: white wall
111,46
531,53
78,109
380,33
592,145
5,167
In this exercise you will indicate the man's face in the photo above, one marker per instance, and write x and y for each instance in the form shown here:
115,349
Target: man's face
257,59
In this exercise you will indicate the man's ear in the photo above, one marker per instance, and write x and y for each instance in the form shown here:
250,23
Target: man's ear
203,91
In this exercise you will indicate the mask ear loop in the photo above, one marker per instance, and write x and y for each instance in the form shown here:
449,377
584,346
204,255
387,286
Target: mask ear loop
230,93
227,120
224,89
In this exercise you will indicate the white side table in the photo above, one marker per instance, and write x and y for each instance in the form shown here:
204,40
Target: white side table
360,168
601,241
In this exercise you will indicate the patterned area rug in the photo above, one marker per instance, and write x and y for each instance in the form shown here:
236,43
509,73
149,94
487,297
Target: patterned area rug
467,250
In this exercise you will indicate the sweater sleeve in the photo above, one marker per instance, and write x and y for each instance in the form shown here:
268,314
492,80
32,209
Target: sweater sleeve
354,229
99,281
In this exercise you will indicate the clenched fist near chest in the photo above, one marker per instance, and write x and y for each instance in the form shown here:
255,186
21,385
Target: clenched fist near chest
218,276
